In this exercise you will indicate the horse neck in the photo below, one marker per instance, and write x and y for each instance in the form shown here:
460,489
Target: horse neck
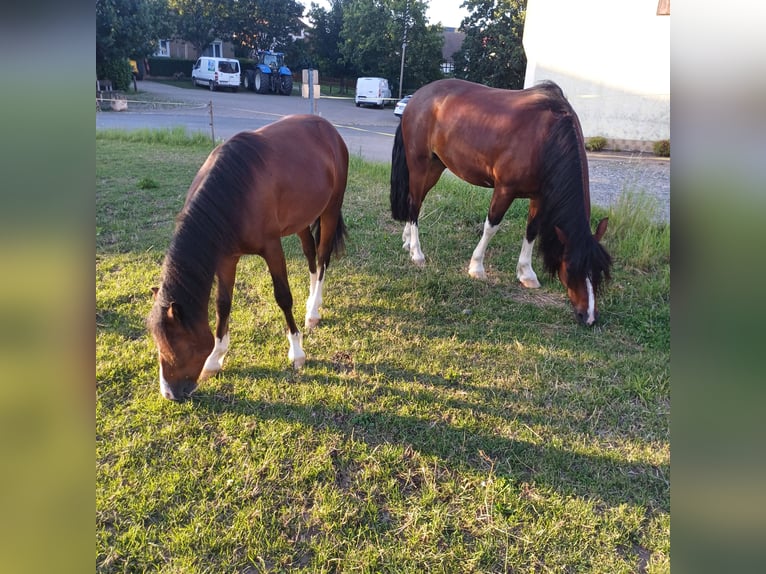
583,164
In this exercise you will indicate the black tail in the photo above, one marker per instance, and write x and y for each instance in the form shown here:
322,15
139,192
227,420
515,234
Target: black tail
338,246
400,179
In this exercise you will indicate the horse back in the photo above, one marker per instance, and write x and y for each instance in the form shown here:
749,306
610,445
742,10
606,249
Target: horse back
486,136
274,181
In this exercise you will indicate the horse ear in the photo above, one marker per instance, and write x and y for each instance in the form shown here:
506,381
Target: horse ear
601,229
174,312
561,235
155,290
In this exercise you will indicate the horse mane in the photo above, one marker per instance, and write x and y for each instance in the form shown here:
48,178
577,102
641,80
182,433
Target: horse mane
566,198
208,225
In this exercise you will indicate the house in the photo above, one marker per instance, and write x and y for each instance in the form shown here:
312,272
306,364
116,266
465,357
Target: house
453,40
612,60
183,50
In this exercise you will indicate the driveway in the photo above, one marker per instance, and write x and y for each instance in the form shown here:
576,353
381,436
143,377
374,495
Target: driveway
368,132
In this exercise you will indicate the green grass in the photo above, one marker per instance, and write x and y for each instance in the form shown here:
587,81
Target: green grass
440,424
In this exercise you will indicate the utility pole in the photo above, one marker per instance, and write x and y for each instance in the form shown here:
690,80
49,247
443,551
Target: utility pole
404,46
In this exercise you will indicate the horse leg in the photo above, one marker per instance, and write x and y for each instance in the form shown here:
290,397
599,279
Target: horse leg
328,224
423,176
476,266
524,270
406,236
312,302
275,260
225,274
501,201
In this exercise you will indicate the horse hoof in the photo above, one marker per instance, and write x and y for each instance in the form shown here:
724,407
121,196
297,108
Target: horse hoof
476,274
406,246
207,373
530,283
311,323
419,262
298,362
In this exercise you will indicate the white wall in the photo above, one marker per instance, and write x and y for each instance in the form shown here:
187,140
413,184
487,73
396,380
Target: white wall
611,58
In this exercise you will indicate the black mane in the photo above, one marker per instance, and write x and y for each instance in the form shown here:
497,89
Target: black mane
564,194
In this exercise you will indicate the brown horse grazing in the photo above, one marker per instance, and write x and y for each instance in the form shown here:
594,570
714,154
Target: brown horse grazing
523,143
259,186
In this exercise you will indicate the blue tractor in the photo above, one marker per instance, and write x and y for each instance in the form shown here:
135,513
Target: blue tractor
269,74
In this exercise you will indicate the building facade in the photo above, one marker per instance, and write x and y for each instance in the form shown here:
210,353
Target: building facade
611,58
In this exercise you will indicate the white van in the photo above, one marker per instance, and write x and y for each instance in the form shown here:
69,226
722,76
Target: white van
372,91
216,73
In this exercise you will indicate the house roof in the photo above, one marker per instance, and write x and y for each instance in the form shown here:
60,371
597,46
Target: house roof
453,40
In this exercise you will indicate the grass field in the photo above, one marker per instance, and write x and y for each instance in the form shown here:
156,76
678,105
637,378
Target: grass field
441,424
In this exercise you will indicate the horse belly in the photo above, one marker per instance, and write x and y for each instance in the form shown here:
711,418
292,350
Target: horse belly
300,205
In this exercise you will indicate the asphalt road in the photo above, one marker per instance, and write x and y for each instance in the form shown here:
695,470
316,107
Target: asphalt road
368,132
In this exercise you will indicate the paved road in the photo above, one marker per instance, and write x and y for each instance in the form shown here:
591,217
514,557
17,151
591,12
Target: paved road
368,132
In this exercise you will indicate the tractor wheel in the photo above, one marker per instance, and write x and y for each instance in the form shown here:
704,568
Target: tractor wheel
286,85
247,81
261,83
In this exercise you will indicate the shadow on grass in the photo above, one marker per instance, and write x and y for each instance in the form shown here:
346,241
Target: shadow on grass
604,479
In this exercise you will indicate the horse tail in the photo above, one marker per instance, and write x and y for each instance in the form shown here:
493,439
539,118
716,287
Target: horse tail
400,179
338,245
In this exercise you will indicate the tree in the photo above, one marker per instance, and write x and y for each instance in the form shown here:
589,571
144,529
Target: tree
324,50
492,51
373,33
200,22
127,29
262,24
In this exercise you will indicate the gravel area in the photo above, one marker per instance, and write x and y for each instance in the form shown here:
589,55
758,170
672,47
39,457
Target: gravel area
615,173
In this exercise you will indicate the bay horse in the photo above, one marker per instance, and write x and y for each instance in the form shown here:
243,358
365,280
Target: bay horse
286,178
523,143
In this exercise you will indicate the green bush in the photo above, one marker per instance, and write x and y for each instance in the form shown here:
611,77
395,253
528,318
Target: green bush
169,67
662,148
596,143
118,71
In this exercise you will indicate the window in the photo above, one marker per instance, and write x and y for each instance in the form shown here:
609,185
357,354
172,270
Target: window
163,49
214,49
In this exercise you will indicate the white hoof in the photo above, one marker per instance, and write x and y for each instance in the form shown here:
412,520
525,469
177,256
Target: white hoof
419,261
311,322
406,246
530,283
477,273
298,362
296,355
208,373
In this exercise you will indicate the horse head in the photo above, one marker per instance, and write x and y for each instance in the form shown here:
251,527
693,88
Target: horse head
582,273
183,347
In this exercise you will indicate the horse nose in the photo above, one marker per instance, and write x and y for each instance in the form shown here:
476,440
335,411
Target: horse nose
181,392
584,319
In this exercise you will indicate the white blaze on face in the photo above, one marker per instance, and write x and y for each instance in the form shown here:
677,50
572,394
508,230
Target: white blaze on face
591,302
165,389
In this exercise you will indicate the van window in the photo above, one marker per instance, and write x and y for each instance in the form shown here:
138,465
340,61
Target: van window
228,67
